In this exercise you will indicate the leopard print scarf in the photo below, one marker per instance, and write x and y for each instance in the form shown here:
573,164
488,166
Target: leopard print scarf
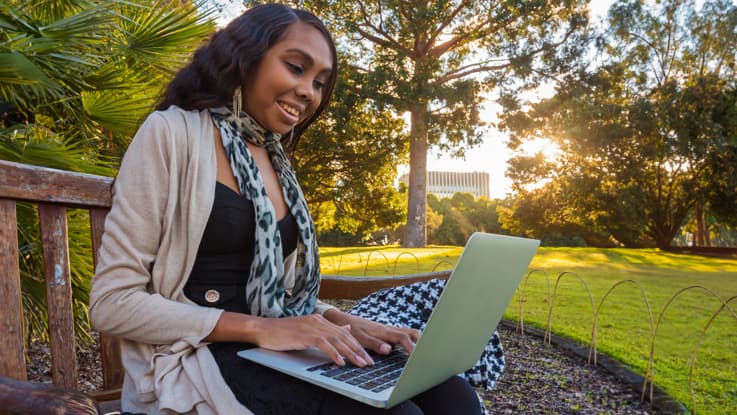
266,294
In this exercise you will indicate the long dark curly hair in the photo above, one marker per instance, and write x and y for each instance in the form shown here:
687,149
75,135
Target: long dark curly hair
234,53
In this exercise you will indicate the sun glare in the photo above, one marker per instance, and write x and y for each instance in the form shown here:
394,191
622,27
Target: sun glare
541,145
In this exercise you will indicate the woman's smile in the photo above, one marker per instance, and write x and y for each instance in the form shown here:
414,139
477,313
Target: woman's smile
288,85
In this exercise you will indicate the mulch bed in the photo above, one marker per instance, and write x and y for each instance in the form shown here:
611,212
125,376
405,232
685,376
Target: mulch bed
542,379
538,379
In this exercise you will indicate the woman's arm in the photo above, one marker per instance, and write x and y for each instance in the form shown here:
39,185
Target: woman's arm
124,299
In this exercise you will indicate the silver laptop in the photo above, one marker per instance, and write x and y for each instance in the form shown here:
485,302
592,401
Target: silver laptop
469,309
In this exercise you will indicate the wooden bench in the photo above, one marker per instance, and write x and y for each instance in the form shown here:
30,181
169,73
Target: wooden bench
54,191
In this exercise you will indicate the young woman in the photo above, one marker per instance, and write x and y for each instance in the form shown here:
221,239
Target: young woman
209,247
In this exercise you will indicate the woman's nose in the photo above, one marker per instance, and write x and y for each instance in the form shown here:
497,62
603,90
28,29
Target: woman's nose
305,91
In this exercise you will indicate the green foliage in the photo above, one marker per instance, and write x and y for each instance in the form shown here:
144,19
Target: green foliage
347,162
452,220
542,213
721,168
77,79
642,132
91,69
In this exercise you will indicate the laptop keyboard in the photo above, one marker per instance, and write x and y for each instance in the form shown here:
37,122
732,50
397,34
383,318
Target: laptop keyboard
382,375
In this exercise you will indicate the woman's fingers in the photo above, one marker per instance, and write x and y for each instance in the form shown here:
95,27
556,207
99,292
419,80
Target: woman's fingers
379,337
337,342
372,342
342,343
348,345
339,352
396,335
409,338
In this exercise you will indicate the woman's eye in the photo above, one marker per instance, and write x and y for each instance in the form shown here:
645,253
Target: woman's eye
294,68
319,84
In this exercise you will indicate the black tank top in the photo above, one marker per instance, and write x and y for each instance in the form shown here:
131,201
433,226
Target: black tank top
226,251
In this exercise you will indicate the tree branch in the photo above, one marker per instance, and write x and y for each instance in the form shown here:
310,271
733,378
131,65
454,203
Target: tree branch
383,38
470,34
461,72
458,75
447,22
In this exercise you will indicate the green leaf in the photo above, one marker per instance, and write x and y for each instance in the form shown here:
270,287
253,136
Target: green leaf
117,111
15,68
154,34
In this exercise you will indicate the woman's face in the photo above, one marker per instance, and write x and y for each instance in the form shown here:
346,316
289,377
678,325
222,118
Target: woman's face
288,85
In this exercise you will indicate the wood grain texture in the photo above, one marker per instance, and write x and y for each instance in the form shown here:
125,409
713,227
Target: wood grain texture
112,363
12,363
39,398
353,288
97,227
41,184
53,220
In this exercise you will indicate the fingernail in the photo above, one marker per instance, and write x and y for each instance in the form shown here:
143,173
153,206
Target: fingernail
341,361
360,361
385,348
368,359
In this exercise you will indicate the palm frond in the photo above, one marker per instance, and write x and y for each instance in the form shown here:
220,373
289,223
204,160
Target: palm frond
154,34
14,20
81,27
112,77
17,69
117,111
33,144
52,10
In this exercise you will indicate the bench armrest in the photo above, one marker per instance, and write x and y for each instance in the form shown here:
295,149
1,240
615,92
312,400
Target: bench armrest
23,397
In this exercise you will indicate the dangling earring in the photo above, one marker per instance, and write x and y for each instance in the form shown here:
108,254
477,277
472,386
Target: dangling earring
237,102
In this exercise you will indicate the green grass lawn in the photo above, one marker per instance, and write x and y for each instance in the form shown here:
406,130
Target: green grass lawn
651,278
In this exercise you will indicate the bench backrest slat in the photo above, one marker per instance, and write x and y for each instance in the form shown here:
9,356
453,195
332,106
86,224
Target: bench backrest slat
112,370
41,184
53,221
54,191
354,288
11,314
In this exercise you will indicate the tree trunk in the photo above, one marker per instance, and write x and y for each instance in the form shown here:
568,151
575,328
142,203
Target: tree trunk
415,235
699,237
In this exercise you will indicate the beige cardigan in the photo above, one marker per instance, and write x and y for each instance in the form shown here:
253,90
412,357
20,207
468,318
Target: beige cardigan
162,200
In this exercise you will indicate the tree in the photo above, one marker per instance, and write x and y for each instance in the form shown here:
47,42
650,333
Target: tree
638,131
452,220
76,79
347,162
721,171
434,60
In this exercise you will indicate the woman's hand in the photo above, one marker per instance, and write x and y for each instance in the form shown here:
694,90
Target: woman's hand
299,333
375,336
292,333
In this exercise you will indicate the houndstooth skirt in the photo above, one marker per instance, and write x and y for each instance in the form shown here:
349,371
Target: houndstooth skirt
410,306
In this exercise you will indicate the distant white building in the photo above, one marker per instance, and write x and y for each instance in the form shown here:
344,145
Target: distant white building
445,183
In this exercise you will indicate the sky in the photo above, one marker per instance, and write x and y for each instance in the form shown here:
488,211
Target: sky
490,156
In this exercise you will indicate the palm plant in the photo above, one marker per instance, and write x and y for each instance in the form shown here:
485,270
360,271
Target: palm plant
76,79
